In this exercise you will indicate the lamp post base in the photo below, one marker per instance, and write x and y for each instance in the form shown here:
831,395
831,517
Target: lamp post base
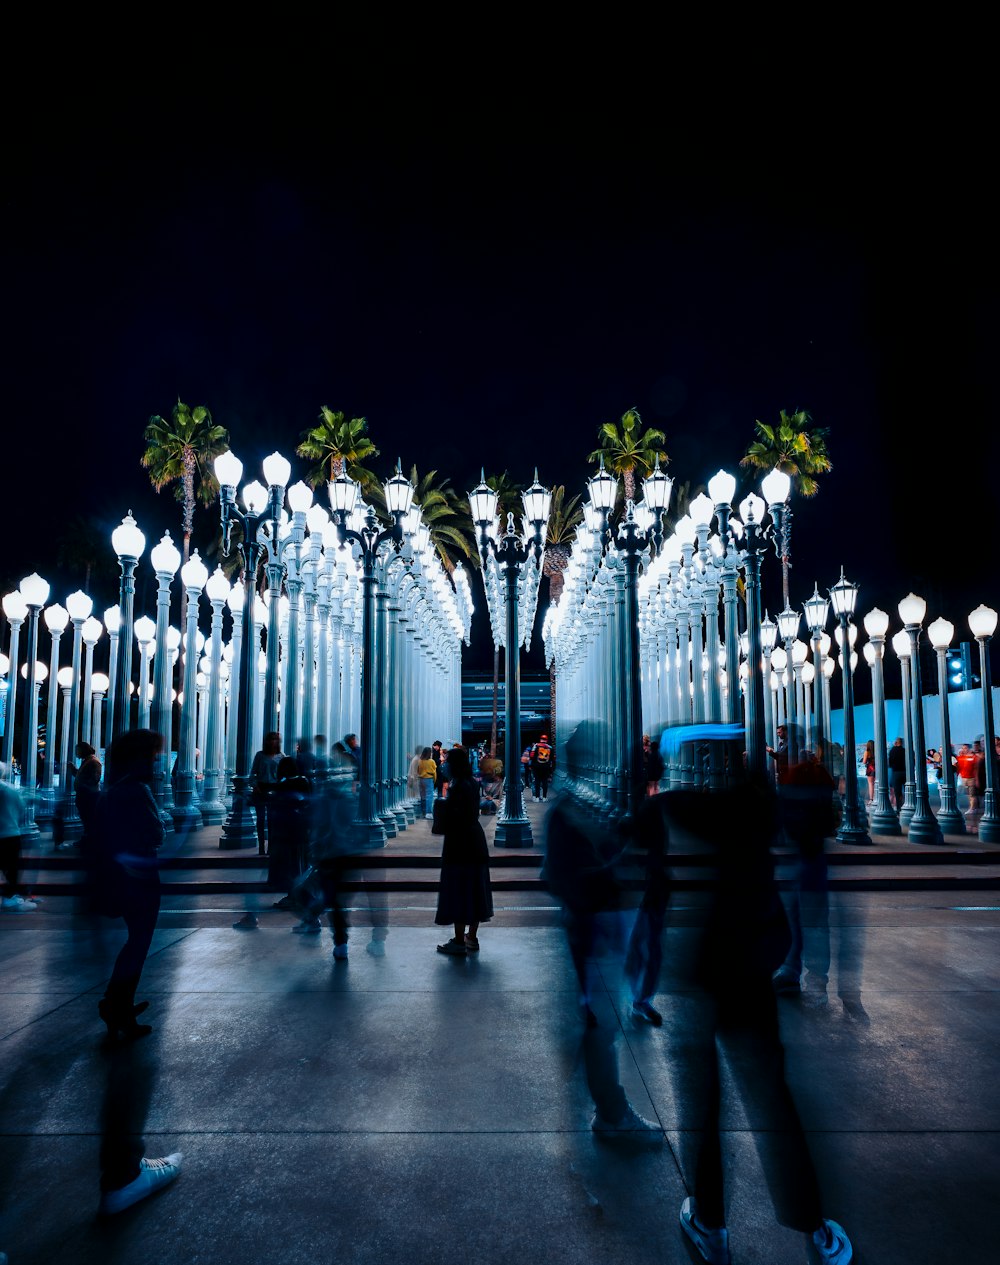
513,832
924,830
853,836
186,818
989,830
240,831
884,822
370,834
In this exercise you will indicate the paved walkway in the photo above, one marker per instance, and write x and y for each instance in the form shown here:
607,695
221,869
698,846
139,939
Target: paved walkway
408,1106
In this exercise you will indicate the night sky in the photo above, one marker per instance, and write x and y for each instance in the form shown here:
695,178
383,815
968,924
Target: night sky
491,303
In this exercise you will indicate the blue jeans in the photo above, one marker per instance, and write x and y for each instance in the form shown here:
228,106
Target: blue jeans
426,794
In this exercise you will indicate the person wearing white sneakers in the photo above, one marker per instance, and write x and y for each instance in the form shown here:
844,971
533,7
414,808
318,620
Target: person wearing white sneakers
15,898
731,1011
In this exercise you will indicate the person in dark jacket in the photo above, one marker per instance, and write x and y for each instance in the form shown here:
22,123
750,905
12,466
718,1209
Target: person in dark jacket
128,834
288,815
465,898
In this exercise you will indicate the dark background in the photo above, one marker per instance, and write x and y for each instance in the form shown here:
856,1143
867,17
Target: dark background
487,290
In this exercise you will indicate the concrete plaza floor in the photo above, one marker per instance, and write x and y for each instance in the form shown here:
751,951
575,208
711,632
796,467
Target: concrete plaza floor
408,1106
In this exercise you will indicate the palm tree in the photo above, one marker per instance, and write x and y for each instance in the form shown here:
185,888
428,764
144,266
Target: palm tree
337,444
564,518
629,451
800,452
181,451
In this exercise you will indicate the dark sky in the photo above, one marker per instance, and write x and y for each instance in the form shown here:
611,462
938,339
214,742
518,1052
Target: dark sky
489,297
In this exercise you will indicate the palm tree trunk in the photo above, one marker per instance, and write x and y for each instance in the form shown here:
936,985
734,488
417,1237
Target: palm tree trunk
187,521
552,701
629,477
784,578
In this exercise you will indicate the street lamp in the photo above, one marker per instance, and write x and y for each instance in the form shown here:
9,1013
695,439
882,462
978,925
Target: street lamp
923,825
901,645
35,592
788,629
99,683
263,506
92,630
367,534
165,559
16,610
983,623
816,610
756,537
510,555
145,631
128,543
843,597
951,821
79,606
213,810
112,622
882,819
187,816
56,618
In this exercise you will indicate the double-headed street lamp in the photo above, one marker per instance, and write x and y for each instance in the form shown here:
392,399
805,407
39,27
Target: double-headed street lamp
844,596
983,623
368,534
511,554
263,506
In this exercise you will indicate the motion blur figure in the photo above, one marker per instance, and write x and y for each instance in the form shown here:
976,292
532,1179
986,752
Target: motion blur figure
583,863
726,1000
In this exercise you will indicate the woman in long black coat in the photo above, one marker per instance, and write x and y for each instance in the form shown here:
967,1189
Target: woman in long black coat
465,898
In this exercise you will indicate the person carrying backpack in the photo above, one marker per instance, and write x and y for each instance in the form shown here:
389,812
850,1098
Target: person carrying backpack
543,760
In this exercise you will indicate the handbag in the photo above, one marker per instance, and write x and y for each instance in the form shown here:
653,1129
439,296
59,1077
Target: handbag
440,813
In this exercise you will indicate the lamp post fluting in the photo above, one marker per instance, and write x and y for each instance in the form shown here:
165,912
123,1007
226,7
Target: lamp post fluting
35,592
369,537
187,815
923,825
79,606
165,559
16,610
983,623
129,543
853,830
816,610
212,808
263,506
112,622
901,645
145,636
951,821
56,618
92,630
882,820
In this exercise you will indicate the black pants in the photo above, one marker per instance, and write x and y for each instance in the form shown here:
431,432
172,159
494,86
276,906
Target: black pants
141,906
745,1021
131,1072
10,863
542,783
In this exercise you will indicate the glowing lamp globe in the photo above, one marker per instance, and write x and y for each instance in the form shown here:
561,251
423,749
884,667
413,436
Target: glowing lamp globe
317,519
127,540
800,652
145,630
34,589
983,622
776,487
41,672
113,620
876,623
217,586
92,630
603,488
483,504
901,644
277,470
702,510
56,618
843,595
537,500
656,488
768,633
722,487
816,610
194,573
255,497
228,469
788,623
99,683
173,640
398,492
165,556
65,677
752,509
912,610
941,632
15,607
300,497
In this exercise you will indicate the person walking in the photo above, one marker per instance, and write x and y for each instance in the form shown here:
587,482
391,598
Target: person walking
263,780
897,773
128,835
868,760
465,898
543,760
288,815
15,897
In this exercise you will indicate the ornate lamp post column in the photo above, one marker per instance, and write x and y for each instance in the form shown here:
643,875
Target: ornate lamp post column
923,825
16,610
145,631
901,645
262,506
92,630
788,628
129,543
949,818
513,829
755,537
79,606
56,618
35,592
882,819
816,610
369,538
65,681
983,623
112,622
722,489
165,559
213,810
99,684
844,596
187,816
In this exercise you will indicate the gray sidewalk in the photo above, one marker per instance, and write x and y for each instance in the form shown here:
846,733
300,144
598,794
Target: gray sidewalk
415,1107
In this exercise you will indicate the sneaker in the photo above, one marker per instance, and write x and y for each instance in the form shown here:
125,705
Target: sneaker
376,948
786,982
286,902
308,927
453,947
428,816
18,904
340,952
152,1175
631,1124
644,1012
712,1245
472,944
247,923
829,1245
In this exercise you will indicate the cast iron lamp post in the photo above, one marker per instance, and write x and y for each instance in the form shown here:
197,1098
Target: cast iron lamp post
213,810
56,618
112,622
816,610
35,592
187,815
844,596
79,606
165,559
145,632
983,623
263,506
16,610
924,827
369,538
788,628
951,821
128,543
901,645
722,488
511,554
882,820
92,630
99,683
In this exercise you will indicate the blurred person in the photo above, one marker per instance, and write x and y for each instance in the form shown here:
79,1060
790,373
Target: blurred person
543,762
868,760
526,767
652,765
897,773
412,784
263,779
426,777
331,844
779,754
352,748
724,972
644,955
465,898
128,835
15,895
582,870
289,814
